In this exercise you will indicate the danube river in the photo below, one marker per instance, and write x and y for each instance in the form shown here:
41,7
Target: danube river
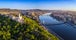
64,30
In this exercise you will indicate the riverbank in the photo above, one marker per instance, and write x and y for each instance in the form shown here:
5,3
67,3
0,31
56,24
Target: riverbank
65,31
49,30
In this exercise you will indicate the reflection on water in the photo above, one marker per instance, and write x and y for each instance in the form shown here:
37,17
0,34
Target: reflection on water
45,19
66,31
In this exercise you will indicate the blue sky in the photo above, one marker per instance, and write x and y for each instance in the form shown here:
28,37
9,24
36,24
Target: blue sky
39,4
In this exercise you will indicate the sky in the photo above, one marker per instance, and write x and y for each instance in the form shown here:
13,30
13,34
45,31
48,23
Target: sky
39,4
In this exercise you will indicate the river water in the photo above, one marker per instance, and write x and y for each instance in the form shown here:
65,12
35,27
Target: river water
65,31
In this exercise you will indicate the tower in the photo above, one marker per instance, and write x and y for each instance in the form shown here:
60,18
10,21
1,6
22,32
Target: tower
20,17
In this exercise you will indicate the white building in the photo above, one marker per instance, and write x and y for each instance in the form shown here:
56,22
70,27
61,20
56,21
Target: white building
19,18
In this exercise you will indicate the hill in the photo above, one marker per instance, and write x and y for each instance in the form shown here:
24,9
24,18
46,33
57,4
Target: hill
29,30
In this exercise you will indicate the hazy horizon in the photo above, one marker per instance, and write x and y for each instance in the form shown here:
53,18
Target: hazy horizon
39,4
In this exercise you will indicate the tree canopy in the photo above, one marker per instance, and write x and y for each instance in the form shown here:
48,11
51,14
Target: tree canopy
29,30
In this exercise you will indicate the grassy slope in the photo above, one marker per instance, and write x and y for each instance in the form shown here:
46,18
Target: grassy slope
46,35
30,30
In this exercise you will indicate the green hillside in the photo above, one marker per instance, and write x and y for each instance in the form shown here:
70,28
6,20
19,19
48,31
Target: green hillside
30,30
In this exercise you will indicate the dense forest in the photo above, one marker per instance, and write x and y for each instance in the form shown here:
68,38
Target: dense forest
29,30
